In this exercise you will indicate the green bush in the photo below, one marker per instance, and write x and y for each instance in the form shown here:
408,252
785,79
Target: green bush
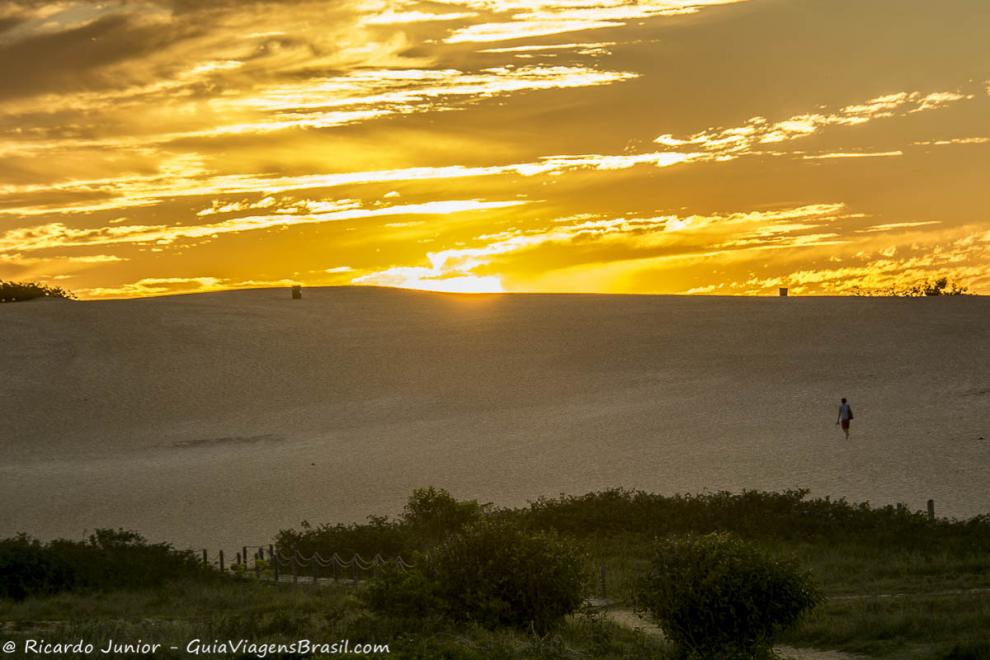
19,291
496,574
716,596
27,568
109,559
433,514
405,594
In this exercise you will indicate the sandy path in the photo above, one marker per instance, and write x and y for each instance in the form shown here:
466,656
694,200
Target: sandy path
630,619
215,420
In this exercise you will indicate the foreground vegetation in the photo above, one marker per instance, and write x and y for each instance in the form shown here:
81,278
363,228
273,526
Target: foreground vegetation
890,583
238,609
20,291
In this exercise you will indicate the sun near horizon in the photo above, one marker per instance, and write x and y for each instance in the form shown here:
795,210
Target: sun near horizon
724,147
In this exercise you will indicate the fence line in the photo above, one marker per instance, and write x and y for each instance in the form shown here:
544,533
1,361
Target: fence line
271,563
278,565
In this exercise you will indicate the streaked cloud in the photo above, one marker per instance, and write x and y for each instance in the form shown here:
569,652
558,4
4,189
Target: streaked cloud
888,226
549,17
356,97
854,154
186,177
59,235
16,258
907,256
953,141
402,17
760,134
883,270
158,286
628,239
592,48
666,248
150,190
365,95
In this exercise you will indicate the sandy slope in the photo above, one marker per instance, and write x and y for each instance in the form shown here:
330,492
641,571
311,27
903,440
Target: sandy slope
220,418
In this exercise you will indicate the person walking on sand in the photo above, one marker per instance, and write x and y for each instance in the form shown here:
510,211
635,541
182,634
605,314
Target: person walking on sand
845,416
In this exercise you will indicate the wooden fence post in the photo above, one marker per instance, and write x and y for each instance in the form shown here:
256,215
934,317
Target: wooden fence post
931,509
206,561
274,558
221,561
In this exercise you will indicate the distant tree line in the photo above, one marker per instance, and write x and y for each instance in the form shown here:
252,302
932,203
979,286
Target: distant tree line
940,287
19,291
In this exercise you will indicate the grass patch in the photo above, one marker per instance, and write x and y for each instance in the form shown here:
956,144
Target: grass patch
915,626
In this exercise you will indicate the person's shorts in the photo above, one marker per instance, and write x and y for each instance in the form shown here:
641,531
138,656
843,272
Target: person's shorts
845,425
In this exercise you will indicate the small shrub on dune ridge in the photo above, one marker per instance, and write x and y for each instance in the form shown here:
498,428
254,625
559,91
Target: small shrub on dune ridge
20,291
716,596
942,286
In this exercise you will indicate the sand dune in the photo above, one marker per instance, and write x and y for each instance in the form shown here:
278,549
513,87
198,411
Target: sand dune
217,419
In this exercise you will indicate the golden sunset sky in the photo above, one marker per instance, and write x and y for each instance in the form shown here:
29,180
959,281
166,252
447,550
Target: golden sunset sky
617,146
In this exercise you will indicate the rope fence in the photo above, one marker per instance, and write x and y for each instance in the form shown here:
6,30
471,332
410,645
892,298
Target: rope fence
269,562
275,565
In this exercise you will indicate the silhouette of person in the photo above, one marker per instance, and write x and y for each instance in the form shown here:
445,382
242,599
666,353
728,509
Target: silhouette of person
845,416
